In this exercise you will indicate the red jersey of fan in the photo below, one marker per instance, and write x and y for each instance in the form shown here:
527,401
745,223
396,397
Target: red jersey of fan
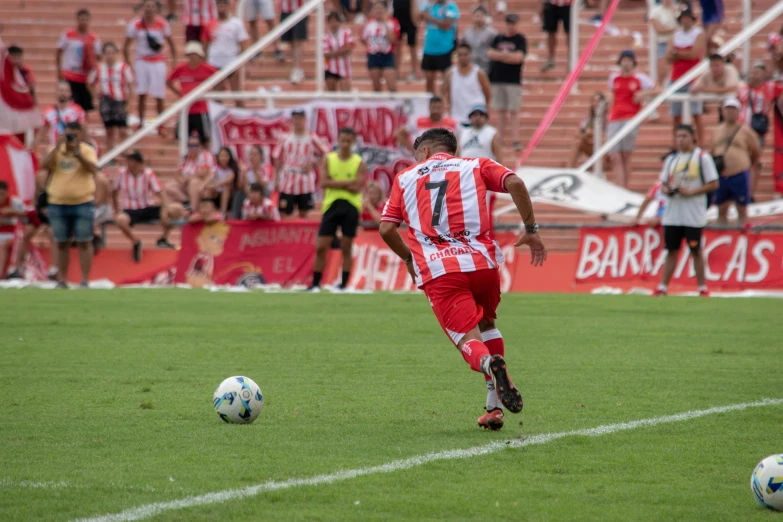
375,35
112,82
55,119
757,100
417,127
298,155
190,166
80,54
340,66
135,191
684,41
265,210
200,12
443,200
624,88
189,79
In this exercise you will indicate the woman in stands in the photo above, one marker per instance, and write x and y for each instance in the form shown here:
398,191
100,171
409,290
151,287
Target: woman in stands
256,171
197,169
372,206
222,185
584,142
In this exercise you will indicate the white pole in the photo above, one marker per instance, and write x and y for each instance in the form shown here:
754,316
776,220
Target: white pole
757,25
183,131
746,16
598,136
573,37
319,53
652,44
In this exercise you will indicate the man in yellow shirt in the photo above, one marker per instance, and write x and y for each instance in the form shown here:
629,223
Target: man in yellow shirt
71,190
343,185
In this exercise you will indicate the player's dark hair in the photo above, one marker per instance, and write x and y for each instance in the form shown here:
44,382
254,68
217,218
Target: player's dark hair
110,45
73,125
82,12
348,130
687,128
256,187
438,138
3,185
465,45
333,15
436,99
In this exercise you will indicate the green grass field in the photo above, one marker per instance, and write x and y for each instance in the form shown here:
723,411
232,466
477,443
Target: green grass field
107,406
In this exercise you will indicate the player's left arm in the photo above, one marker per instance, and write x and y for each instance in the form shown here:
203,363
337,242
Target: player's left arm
521,197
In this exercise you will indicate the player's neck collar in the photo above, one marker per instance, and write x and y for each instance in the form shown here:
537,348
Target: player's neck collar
441,156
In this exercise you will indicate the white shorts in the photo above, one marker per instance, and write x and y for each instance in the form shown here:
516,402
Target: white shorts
266,8
151,78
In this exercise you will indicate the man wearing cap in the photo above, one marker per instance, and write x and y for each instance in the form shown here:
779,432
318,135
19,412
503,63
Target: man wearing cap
626,93
190,75
686,49
465,85
507,57
735,148
137,197
480,140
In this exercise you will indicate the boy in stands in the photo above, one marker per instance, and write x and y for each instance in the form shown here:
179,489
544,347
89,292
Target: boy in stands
207,213
258,207
112,81
337,47
443,201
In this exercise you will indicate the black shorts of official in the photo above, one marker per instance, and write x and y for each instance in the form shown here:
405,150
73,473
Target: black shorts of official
143,215
113,113
554,14
331,76
407,27
81,95
673,236
198,124
436,62
297,33
193,33
343,215
287,203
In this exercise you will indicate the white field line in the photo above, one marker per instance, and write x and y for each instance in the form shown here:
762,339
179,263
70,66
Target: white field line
149,510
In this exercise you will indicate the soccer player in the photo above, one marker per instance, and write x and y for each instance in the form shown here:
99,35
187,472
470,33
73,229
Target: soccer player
443,201
343,185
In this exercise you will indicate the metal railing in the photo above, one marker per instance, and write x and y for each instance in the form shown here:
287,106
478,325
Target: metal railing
225,72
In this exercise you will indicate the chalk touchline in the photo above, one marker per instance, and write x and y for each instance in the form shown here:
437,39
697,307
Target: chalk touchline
148,510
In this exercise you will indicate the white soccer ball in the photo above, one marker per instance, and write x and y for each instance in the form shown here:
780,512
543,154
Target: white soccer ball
238,400
766,482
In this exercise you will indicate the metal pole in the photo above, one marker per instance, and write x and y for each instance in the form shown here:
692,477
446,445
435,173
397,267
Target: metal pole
746,16
573,37
652,45
183,132
319,52
598,131
687,114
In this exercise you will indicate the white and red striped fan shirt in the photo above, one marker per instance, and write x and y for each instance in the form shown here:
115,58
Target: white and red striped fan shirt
376,36
755,101
265,174
265,210
55,120
560,3
138,31
289,6
297,153
332,42
190,166
135,191
112,82
200,12
443,200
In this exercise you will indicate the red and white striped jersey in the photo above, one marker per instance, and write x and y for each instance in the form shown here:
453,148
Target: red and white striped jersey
298,155
333,42
112,82
200,12
265,174
55,119
159,30
289,6
375,35
757,101
264,210
190,166
443,200
560,3
135,191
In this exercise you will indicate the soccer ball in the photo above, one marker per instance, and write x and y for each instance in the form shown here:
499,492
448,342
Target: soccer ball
766,482
238,400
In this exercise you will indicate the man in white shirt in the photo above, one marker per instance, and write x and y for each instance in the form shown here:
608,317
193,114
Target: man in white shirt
464,86
688,176
225,38
480,140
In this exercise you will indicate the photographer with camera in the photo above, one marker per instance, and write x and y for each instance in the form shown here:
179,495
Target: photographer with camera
71,189
686,179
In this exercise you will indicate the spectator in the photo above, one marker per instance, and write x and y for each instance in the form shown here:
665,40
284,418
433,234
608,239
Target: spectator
372,206
36,219
295,37
225,38
380,35
464,86
775,46
757,97
266,10
149,32
77,54
296,157
198,14
189,75
415,128
256,171
507,57
17,58
584,142
480,140
655,194
721,78
554,12
686,50
197,168
56,116
10,210
221,186
353,11
735,149
112,81
441,17
687,177
71,190
663,17
711,16
206,213
258,207
626,96
337,48
133,196
479,37
342,204
407,15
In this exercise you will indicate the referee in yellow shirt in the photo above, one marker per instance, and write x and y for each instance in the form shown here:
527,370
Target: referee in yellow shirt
343,185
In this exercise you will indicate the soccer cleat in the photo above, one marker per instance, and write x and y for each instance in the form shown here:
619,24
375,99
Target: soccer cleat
507,393
659,293
491,420
704,293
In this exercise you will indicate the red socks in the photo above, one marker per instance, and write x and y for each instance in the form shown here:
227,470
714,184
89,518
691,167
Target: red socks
473,351
494,343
